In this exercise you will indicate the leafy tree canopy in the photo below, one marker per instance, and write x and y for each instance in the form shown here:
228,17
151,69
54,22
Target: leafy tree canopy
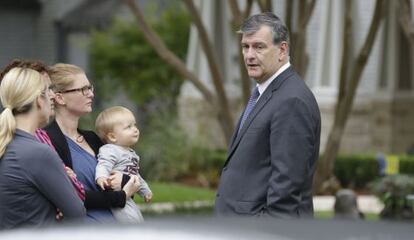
121,59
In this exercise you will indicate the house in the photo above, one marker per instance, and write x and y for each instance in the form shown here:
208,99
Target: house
51,30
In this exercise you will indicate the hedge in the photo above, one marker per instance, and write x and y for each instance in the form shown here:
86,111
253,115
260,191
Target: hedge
407,165
356,171
352,171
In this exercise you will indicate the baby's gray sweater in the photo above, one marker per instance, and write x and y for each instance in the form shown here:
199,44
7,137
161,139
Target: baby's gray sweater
114,157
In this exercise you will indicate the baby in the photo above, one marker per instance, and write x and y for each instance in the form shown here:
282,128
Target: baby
116,126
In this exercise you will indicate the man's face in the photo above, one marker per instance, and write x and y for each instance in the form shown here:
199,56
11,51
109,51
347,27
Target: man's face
261,57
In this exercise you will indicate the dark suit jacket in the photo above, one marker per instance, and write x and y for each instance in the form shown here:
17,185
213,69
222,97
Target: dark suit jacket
271,162
93,199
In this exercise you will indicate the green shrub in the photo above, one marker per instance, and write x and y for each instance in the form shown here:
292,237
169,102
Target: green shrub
393,191
206,165
164,150
407,165
355,171
167,154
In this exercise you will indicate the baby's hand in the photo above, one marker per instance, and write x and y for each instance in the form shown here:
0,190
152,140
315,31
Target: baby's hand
102,182
148,197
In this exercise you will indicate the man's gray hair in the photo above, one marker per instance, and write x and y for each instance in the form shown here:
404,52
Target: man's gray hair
255,22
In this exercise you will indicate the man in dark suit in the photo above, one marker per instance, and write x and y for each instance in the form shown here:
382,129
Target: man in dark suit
274,149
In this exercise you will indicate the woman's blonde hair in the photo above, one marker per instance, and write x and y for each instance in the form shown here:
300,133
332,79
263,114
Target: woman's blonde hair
61,75
18,90
108,118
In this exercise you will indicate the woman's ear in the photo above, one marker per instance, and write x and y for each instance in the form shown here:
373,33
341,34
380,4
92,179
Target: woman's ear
38,103
59,99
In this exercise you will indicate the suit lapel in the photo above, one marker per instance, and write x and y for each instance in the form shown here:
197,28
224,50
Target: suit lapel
266,96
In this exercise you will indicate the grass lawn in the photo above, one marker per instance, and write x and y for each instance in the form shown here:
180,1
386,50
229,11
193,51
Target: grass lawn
173,192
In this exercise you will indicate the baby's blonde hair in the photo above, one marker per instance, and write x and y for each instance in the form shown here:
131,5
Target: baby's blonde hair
108,118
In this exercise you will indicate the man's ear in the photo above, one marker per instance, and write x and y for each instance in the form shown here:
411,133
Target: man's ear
59,99
284,51
111,137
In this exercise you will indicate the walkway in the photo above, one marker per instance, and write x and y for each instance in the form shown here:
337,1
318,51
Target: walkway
366,203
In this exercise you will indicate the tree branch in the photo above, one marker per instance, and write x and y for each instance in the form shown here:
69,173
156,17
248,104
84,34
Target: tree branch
366,49
269,7
347,37
289,15
237,21
162,50
405,19
217,76
237,14
307,14
325,171
248,9
265,5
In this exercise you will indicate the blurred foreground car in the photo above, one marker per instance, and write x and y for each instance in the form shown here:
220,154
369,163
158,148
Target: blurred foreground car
200,228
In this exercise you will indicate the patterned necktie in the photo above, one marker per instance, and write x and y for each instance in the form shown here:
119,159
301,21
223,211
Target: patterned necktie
250,105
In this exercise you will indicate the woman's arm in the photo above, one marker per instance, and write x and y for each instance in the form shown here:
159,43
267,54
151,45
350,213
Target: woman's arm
106,199
112,199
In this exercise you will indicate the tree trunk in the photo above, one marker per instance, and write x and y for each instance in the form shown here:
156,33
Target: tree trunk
224,115
344,105
407,25
238,18
265,5
289,16
300,58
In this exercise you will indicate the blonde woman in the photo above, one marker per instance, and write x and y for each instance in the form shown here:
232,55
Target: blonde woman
40,134
77,147
33,182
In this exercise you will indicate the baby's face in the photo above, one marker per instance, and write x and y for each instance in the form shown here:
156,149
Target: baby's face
126,132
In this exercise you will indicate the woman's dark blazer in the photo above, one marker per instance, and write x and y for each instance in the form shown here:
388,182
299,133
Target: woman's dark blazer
93,199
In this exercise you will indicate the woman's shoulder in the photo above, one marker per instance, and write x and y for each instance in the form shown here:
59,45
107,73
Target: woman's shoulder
31,147
42,148
87,132
90,135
